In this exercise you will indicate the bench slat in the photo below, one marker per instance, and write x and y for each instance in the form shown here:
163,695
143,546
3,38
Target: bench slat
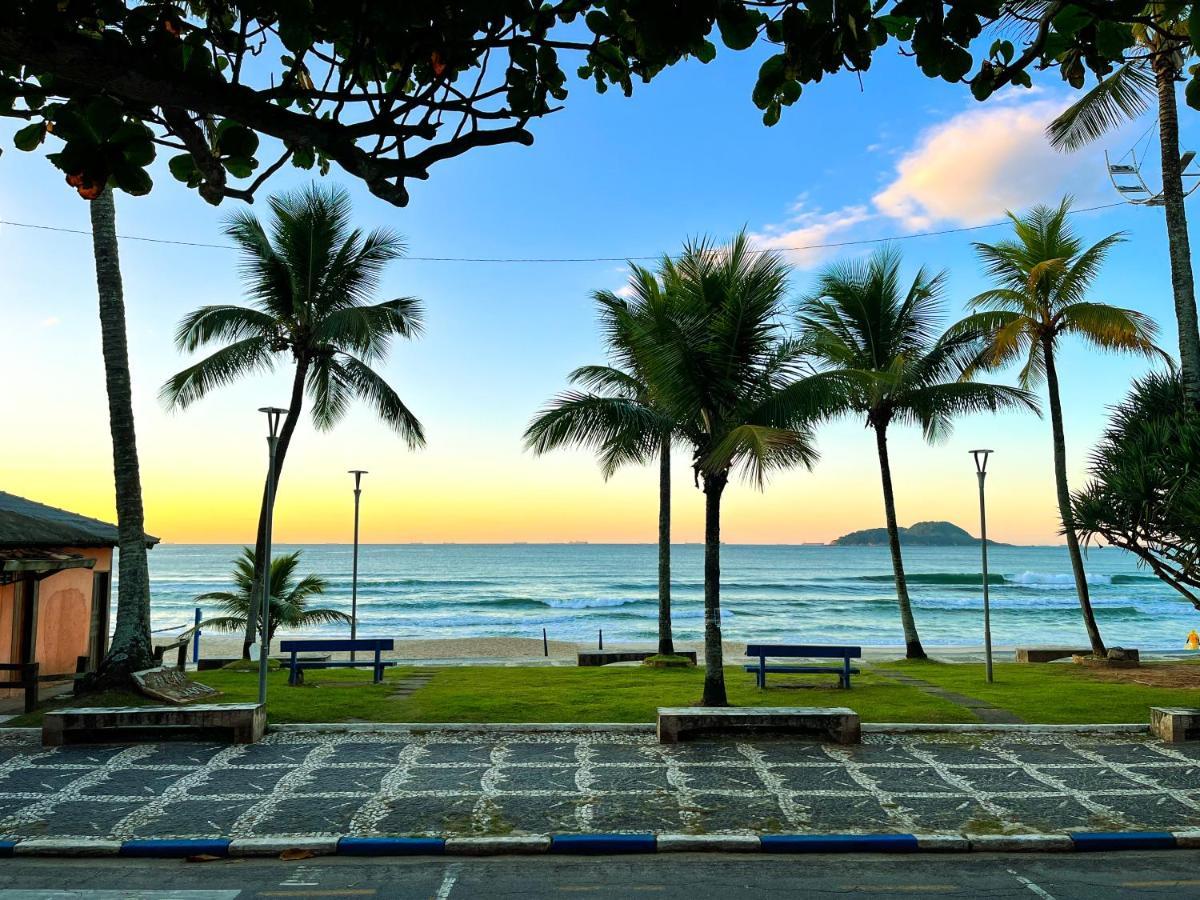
815,651
837,670
336,645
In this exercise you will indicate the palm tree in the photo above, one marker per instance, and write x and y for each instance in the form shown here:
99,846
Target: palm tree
131,648
616,415
289,597
722,369
881,340
1042,282
309,281
1126,94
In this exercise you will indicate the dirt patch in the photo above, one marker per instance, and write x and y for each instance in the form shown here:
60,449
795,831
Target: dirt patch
1166,675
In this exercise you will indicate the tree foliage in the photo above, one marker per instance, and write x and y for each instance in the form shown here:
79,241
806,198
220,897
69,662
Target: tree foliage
1144,492
387,90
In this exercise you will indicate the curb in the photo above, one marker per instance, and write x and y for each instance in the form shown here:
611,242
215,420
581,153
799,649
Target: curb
615,844
464,727
982,728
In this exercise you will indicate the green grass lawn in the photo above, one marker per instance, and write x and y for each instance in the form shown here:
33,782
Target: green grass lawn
1050,693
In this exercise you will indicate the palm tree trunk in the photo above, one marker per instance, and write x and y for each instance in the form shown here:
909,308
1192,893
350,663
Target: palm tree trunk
1177,234
1064,502
131,647
666,642
295,407
912,640
714,661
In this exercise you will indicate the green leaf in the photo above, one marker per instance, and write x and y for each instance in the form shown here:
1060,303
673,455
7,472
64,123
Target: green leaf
1192,92
771,116
30,137
1071,19
133,180
236,140
183,167
738,26
706,52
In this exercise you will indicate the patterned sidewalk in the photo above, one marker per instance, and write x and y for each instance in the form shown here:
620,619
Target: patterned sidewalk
446,783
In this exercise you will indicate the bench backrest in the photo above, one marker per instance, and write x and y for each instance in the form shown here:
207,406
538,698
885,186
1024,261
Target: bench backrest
336,645
808,651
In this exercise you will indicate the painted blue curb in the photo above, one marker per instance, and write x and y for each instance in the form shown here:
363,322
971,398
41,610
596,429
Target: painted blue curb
1123,840
6,848
390,846
603,843
839,843
176,848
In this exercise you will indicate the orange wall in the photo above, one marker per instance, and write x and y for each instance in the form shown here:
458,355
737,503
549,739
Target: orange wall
64,614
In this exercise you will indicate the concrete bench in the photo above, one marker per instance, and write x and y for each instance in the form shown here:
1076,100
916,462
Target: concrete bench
239,723
835,724
604,657
1045,654
1174,724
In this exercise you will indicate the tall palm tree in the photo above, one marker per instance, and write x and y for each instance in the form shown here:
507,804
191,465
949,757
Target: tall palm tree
131,648
289,597
723,370
1043,278
310,280
616,415
1131,89
881,339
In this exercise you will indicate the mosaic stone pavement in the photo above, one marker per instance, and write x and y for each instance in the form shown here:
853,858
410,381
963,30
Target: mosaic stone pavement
562,782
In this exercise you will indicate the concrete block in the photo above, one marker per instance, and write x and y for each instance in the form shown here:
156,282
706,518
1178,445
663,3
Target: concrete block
709,843
498,845
1019,843
942,843
1175,724
66,847
273,846
835,724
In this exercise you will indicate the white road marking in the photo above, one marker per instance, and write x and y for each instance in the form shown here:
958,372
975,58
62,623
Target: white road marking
302,872
1041,892
448,881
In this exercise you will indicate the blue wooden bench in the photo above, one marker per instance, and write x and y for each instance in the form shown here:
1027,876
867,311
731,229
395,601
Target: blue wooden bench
802,651
296,666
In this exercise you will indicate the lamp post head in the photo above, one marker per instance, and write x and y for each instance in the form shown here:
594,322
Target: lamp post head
358,474
274,414
981,460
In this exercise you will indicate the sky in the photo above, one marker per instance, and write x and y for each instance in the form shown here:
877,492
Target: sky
889,154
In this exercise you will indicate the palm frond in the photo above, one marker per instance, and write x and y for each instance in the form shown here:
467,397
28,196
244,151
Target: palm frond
1122,96
223,367
366,331
370,387
225,322
1110,327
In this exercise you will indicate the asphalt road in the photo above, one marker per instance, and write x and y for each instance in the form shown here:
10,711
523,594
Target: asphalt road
1077,876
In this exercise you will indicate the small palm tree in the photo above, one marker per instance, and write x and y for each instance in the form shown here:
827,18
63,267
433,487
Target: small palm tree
1043,279
289,597
616,415
310,281
881,340
1147,79
723,370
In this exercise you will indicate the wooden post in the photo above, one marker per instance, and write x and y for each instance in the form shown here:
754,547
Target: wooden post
29,678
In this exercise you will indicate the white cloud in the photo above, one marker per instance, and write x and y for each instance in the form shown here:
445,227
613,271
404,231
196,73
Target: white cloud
980,162
808,229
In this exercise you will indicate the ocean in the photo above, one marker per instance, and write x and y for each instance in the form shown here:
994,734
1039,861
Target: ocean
774,593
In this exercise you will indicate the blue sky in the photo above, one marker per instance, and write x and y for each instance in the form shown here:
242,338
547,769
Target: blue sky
889,154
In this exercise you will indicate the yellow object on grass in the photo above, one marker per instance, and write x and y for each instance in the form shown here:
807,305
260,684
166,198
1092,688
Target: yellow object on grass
1193,640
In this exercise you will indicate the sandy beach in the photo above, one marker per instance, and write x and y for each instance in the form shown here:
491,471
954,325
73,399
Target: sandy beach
531,650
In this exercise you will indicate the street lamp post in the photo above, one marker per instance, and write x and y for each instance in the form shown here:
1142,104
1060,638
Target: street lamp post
274,414
981,461
358,474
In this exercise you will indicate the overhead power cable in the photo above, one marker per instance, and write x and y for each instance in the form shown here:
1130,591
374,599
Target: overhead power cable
828,245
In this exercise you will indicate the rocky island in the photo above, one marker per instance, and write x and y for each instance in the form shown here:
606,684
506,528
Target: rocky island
922,534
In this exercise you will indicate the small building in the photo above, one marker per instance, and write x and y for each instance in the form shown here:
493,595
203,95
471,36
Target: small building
55,589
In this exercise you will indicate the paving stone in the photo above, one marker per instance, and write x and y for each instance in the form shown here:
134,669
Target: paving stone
636,814
717,812
1179,778
428,815
626,754
301,815
908,780
838,814
1160,812
82,818
39,780
1126,753
182,755
208,817
271,755
633,778
1053,813
879,753
997,781
537,778
961,754
724,753
778,753
146,783
1191,750
441,753
1048,755
79,757
1093,778
535,815
816,778
540,753
234,781
360,780
708,778
365,754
